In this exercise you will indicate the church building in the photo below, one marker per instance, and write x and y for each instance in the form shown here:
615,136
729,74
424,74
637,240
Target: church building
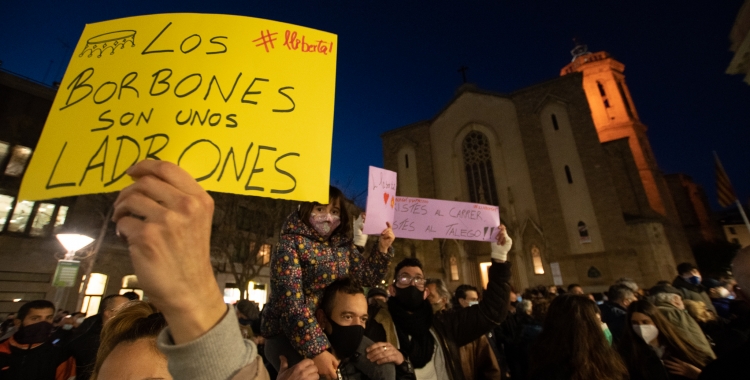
569,164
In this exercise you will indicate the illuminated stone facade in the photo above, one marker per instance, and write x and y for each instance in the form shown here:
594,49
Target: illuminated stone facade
570,201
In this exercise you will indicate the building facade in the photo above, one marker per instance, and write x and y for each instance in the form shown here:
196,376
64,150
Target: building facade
569,164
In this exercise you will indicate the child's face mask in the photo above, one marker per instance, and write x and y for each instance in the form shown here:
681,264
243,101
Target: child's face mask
324,223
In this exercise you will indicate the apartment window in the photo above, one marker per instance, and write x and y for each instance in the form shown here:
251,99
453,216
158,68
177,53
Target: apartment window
18,160
406,160
478,166
554,122
732,231
42,219
21,216
536,259
567,174
583,233
264,254
735,241
40,215
62,214
6,204
94,292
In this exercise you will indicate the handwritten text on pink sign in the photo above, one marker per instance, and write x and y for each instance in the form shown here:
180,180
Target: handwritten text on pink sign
427,219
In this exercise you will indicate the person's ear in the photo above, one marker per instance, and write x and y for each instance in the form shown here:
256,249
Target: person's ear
321,317
17,322
426,292
392,290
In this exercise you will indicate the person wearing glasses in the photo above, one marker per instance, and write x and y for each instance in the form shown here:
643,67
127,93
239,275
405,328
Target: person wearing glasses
428,342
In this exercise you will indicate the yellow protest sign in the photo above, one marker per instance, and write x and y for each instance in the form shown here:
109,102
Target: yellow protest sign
245,105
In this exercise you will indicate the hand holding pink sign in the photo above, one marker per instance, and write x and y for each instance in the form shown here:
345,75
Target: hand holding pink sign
381,200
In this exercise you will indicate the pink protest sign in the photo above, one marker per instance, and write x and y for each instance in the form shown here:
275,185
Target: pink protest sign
381,200
427,219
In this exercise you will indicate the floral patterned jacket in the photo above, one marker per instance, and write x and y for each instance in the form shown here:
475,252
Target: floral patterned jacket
303,264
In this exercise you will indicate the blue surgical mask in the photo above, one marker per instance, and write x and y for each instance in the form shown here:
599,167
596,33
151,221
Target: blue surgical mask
695,280
519,298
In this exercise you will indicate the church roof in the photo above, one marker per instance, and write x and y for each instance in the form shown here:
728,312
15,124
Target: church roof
472,88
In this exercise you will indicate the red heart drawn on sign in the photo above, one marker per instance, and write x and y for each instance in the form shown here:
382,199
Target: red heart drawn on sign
385,198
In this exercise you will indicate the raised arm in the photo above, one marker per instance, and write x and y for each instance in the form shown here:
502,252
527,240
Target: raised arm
370,270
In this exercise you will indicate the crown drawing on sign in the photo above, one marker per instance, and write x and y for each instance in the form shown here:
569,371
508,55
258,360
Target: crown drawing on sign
111,41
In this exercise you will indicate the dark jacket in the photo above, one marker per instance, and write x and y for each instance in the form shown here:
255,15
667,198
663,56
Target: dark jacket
84,344
478,360
42,361
615,316
693,292
730,366
722,306
456,327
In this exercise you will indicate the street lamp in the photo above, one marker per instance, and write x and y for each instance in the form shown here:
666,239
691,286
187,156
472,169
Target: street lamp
67,268
72,243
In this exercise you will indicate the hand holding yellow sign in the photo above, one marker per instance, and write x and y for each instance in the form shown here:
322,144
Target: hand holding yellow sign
243,104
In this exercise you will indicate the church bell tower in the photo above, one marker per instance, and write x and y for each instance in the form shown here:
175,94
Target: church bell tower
615,117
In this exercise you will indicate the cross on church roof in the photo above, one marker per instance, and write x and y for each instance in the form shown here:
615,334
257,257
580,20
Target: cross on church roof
462,70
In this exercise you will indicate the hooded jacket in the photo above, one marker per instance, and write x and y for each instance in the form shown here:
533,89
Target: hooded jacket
303,264
687,327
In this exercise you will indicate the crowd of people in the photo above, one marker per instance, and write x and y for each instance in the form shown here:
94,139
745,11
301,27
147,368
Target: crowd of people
320,323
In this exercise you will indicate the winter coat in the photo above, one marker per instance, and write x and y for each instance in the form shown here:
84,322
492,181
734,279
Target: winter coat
40,361
478,360
303,264
456,327
686,326
615,316
693,292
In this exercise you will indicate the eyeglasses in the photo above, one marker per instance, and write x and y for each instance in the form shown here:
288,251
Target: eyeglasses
406,280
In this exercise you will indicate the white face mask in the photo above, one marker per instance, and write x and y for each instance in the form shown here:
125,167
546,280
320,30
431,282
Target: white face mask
472,303
67,327
647,332
80,320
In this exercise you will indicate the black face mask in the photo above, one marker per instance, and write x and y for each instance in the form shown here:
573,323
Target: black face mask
32,334
345,339
410,297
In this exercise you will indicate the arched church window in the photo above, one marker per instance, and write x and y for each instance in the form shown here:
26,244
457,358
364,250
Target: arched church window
478,165
536,259
554,122
583,233
567,174
454,269
406,160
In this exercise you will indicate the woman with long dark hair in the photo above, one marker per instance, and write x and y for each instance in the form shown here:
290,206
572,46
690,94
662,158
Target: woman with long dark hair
573,345
653,350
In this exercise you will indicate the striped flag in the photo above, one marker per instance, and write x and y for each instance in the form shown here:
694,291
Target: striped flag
723,187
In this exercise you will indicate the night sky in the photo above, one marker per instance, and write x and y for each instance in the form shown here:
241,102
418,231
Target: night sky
398,62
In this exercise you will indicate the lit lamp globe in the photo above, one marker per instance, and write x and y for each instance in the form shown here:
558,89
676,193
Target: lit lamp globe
73,242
